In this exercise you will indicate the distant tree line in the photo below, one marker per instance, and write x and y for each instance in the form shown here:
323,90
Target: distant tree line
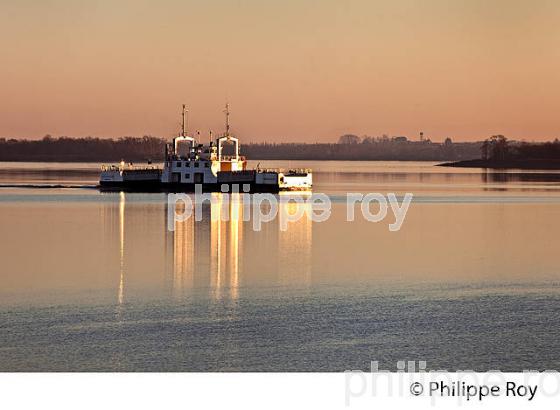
499,148
349,147
82,149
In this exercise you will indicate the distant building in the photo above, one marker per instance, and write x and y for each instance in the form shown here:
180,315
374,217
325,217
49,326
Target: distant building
400,139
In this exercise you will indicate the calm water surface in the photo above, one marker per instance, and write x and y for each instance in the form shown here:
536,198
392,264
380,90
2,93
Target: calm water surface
94,281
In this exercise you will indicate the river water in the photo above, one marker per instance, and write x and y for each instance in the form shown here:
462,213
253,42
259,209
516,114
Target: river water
93,281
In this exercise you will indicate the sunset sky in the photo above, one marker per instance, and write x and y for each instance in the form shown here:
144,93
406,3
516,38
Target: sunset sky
292,70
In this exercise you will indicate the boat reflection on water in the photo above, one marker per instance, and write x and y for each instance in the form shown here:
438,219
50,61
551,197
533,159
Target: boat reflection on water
222,251
121,249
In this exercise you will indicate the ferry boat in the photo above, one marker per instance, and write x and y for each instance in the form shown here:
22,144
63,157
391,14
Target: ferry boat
217,166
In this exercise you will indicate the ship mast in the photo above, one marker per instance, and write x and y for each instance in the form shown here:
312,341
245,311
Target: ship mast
226,111
185,111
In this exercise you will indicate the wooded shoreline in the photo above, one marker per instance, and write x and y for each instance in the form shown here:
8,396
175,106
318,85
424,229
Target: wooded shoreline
141,149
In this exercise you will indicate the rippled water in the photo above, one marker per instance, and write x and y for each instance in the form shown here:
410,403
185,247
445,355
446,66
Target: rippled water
95,281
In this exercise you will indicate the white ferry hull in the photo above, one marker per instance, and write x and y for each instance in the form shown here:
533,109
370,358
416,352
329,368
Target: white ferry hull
226,181
131,179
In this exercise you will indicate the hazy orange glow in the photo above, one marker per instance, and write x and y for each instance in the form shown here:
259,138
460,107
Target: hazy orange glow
292,70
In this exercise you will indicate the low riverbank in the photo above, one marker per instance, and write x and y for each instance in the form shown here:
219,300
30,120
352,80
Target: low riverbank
505,164
141,149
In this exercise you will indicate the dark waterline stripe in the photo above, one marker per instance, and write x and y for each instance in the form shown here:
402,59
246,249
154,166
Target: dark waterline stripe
114,197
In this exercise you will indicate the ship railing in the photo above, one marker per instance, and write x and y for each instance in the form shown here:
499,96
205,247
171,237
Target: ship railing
286,170
129,167
227,158
110,167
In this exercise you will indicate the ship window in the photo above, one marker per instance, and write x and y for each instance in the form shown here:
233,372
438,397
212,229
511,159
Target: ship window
196,164
187,176
188,164
206,165
179,164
